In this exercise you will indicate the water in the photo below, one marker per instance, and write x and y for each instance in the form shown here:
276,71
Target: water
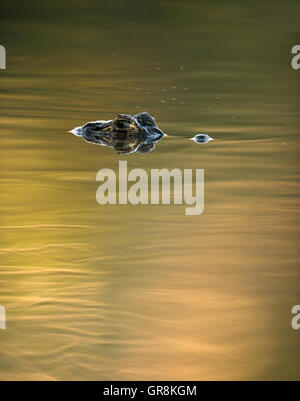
146,292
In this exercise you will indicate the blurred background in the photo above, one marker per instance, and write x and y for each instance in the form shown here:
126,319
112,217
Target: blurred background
145,292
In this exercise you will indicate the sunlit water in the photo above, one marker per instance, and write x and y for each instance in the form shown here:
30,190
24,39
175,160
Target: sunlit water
146,292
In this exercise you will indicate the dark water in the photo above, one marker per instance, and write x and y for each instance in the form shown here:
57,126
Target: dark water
146,292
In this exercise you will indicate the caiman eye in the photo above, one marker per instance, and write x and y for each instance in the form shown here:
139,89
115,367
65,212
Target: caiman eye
120,124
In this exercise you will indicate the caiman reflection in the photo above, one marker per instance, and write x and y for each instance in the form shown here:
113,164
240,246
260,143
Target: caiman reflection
126,134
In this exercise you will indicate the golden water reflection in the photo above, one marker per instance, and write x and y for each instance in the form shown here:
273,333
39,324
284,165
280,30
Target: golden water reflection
146,292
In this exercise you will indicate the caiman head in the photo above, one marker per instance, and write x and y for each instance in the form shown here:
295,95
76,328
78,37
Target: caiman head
126,133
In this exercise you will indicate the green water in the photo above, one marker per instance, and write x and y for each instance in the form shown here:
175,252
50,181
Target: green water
146,292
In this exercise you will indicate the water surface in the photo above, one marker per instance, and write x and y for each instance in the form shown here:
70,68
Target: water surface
122,292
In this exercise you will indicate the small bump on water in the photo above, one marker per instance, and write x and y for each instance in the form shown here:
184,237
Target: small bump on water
202,138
